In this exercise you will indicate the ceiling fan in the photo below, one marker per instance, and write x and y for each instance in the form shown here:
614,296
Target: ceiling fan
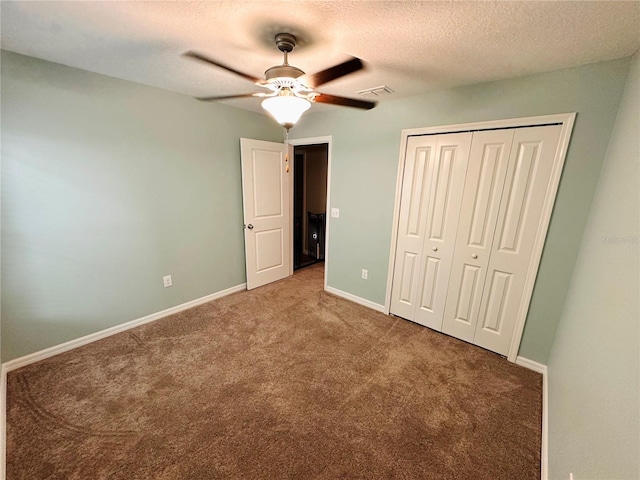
291,91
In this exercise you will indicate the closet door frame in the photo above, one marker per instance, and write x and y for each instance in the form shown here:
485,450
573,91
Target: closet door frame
566,120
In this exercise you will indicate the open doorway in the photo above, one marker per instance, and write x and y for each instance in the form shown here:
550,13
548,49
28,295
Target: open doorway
310,170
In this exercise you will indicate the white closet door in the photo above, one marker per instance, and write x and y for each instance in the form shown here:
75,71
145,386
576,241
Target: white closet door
527,179
418,168
445,196
435,169
488,163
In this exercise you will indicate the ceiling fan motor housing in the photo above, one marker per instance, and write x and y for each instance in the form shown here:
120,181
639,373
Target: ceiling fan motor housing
283,71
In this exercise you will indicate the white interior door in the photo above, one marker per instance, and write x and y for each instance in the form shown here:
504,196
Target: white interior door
527,180
434,174
484,183
267,214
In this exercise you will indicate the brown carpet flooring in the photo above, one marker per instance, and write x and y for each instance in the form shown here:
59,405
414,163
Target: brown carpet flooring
285,381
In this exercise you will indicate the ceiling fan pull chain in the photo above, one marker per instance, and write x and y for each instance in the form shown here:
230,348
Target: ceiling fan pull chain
286,150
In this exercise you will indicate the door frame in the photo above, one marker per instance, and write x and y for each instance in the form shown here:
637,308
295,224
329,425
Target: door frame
295,142
566,120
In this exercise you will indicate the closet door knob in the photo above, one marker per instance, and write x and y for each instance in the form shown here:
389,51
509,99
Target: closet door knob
474,256
435,249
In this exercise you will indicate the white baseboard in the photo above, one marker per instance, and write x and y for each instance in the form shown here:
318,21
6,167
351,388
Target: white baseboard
3,422
78,342
531,365
544,453
355,299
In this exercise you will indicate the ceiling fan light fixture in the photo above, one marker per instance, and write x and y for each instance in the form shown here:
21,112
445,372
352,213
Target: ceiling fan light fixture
292,89
286,108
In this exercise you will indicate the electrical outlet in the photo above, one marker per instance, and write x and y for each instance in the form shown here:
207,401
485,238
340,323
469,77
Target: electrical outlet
365,274
335,213
166,280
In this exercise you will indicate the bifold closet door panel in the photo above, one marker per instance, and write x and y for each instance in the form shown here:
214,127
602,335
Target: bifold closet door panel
418,173
434,172
488,162
445,197
530,166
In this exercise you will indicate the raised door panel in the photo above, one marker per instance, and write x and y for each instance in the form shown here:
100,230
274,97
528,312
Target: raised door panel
269,249
488,162
418,173
266,180
443,209
525,189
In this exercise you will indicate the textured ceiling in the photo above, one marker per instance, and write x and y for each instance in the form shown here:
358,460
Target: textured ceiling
413,47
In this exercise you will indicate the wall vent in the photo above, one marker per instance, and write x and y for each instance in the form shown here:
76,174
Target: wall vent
380,91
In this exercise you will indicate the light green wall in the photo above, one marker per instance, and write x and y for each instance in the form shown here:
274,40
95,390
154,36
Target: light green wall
107,186
365,162
594,366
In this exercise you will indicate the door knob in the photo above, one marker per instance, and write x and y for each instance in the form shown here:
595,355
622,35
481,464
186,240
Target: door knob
250,227
474,256
435,249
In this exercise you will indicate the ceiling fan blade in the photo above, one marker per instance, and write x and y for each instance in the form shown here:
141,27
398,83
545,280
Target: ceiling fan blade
343,101
204,58
345,68
228,97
